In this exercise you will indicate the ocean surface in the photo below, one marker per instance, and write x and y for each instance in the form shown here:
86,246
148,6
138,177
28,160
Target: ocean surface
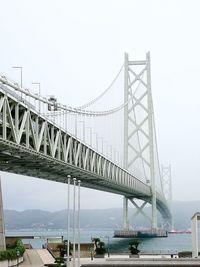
171,244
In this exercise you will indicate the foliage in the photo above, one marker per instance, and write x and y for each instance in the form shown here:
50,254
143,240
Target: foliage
63,248
185,254
11,253
59,260
52,264
99,246
133,247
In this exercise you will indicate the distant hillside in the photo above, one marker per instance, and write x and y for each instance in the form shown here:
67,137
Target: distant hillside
106,218
183,211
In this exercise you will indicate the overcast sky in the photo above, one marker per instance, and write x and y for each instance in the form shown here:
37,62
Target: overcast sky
75,48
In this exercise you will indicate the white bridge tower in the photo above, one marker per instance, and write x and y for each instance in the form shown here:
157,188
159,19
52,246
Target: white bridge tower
167,190
140,149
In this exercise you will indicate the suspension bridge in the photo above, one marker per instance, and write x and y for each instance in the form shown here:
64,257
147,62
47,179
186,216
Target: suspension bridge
109,143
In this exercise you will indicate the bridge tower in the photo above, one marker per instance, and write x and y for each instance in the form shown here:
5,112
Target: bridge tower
167,190
139,130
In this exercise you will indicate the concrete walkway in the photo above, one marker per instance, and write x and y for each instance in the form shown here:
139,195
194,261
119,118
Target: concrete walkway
36,258
45,256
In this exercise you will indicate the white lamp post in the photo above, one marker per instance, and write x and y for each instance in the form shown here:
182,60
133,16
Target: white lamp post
101,138
74,222
79,203
68,218
39,92
96,140
83,130
20,68
90,129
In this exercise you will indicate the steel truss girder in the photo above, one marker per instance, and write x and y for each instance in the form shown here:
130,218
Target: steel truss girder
26,129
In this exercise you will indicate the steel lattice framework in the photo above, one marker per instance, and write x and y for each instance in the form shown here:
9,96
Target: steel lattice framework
140,145
32,145
167,190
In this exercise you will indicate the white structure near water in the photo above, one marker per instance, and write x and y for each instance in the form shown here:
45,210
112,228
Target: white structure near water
194,219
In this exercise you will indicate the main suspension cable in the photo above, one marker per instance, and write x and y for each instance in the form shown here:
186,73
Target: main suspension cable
104,92
5,81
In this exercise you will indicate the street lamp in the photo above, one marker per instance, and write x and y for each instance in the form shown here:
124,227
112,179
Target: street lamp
74,210
39,91
110,151
79,203
101,138
106,148
96,140
83,122
90,129
114,154
118,157
20,68
75,124
68,218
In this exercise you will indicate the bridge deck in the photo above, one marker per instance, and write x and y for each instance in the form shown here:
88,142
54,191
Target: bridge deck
32,145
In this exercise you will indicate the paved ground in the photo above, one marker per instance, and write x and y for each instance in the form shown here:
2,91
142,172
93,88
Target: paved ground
36,258
145,262
45,256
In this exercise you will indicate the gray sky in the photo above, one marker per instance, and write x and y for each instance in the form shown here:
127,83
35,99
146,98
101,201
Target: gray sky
75,48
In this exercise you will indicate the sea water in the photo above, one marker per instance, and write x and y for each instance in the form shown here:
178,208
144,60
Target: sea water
171,244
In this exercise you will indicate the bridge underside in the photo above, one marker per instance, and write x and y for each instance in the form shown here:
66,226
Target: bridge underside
20,160
30,163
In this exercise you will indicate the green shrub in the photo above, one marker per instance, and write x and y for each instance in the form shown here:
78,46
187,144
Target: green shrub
52,265
59,260
185,254
11,253
63,248
133,246
99,246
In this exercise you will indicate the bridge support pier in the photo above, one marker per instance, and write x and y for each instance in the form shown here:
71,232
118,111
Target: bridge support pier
154,212
125,214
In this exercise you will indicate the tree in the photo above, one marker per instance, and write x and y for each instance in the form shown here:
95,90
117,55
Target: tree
63,248
99,246
133,247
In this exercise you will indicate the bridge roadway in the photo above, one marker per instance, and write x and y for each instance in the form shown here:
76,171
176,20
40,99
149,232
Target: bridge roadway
32,145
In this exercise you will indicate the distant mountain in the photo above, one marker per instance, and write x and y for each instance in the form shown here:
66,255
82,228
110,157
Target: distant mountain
183,211
102,218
